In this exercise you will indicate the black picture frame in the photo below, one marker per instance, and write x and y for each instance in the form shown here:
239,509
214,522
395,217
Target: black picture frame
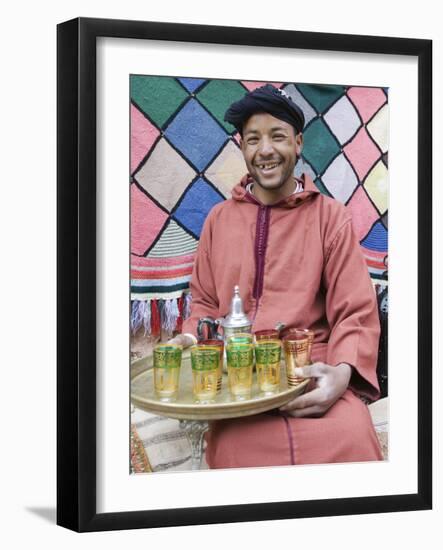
76,273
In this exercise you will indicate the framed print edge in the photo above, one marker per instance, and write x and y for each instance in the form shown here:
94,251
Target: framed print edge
76,277
425,335
67,277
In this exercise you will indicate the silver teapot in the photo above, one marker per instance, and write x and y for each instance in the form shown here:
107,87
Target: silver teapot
236,321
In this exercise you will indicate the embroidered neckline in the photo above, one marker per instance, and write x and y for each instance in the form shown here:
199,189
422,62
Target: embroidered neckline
298,188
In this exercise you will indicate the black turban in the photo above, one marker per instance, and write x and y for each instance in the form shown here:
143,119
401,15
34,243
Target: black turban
265,99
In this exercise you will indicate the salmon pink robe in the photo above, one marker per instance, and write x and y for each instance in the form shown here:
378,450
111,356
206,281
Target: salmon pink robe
297,262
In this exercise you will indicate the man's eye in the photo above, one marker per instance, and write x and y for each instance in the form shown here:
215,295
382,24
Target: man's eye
252,141
279,137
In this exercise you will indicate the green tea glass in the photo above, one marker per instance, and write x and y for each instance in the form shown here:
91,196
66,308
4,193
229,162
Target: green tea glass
240,360
167,362
240,338
205,363
267,363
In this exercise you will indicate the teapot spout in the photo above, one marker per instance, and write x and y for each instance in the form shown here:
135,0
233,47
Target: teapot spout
280,326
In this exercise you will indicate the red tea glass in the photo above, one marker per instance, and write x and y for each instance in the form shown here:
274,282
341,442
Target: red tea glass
268,334
300,332
295,346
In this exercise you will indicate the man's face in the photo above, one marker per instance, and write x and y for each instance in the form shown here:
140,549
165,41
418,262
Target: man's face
270,148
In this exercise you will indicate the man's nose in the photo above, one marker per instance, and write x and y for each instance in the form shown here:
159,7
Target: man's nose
265,147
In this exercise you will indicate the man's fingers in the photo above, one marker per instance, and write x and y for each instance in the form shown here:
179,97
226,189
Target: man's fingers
175,340
181,340
307,400
311,371
329,388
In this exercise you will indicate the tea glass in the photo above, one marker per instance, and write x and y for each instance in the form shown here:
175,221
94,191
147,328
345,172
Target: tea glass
205,363
240,338
240,360
268,334
302,331
267,363
218,345
167,362
295,346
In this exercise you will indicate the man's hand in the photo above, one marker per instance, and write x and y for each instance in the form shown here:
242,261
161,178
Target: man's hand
182,340
330,384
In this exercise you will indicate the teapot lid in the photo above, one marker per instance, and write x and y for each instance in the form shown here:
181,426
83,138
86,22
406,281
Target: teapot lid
236,317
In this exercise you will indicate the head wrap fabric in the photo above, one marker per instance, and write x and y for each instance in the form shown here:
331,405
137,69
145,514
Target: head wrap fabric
266,99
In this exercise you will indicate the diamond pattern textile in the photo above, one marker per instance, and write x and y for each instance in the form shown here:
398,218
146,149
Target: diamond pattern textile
163,167
321,96
340,179
343,120
195,206
185,158
196,134
191,84
217,96
309,112
157,97
143,136
227,169
378,128
362,153
364,215
368,101
320,145
249,85
147,219
376,185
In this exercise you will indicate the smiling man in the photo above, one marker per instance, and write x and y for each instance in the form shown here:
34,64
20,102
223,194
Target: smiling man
294,255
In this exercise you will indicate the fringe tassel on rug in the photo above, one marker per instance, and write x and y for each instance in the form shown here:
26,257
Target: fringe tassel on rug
158,315
179,324
155,319
170,315
136,315
147,318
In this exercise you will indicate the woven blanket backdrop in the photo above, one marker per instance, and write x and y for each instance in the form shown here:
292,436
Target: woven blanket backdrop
185,159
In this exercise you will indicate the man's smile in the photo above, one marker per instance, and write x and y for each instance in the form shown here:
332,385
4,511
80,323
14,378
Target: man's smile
268,167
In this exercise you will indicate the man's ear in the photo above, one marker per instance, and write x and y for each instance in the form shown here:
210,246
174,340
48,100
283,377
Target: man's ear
299,143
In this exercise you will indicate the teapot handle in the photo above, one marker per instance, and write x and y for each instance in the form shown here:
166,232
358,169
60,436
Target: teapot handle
212,325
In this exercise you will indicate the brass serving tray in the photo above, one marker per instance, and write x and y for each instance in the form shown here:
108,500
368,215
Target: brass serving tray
185,407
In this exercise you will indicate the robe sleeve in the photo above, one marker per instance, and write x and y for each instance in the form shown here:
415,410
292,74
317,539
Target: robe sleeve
352,313
204,296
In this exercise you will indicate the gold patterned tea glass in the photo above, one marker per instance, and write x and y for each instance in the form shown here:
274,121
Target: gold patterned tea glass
167,362
303,332
296,348
205,363
268,334
240,359
267,363
310,334
218,345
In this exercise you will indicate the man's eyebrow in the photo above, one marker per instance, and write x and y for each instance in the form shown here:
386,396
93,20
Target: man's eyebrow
273,129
